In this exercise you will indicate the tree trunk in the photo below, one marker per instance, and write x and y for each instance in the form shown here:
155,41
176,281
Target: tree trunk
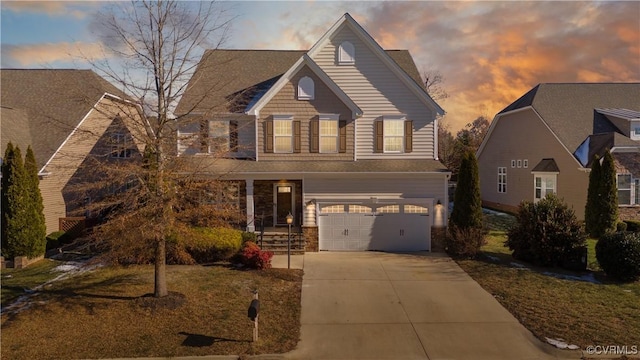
160,269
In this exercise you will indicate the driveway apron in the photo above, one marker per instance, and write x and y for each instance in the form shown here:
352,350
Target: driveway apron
372,305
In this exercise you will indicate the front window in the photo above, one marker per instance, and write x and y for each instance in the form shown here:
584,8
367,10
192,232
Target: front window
502,179
624,189
393,135
544,184
283,134
120,145
329,133
637,191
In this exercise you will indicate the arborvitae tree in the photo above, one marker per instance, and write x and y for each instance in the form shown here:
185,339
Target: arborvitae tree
591,210
467,204
466,234
6,175
37,229
608,197
15,219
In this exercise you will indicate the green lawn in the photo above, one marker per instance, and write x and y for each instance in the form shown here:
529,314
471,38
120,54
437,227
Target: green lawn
582,313
105,313
15,281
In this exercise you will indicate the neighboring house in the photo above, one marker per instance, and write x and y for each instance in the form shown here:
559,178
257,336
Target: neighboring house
342,136
65,115
545,141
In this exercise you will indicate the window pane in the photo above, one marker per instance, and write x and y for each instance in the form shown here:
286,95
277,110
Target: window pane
328,144
538,193
361,209
282,127
389,209
394,127
624,197
624,181
393,144
283,144
328,128
415,209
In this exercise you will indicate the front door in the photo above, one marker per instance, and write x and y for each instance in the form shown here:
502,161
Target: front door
283,203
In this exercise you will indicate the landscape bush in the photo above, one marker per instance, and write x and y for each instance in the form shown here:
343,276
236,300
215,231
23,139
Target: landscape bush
619,255
546,233
253,257
249,236
212,244
465,242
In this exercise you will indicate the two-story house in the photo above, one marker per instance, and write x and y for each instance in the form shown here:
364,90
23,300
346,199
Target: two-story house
343,137
70,118
544,142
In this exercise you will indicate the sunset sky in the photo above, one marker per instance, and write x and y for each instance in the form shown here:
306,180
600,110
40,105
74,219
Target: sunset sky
489,53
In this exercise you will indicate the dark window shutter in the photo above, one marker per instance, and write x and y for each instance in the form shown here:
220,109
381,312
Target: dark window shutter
343,136
379,145
268,136
408,136
233,136
314,136
296,136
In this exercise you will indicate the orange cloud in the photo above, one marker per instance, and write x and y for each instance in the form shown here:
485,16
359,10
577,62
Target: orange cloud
76,9
39,54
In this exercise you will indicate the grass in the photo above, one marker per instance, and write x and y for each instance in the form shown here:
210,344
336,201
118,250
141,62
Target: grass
105,314
14,281
579,312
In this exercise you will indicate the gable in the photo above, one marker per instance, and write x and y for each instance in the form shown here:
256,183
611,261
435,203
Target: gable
370,62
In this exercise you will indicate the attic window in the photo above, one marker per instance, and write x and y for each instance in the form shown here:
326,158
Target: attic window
306,90
346,54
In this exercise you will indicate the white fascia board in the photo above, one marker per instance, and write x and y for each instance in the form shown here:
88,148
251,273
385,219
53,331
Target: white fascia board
287,76
347,20
42,172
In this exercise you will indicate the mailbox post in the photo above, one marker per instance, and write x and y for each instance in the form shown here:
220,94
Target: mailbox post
254,309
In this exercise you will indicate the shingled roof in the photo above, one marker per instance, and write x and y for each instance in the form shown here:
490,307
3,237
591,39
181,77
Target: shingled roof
225,76
569,108
41,107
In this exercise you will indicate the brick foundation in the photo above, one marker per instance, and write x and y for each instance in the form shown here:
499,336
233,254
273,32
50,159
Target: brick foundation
19,262
438,235
310,234
629,212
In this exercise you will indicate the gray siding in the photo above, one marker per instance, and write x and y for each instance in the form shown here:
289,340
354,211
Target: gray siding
377,91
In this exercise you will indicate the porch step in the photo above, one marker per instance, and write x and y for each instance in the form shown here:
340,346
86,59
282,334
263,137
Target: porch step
277,242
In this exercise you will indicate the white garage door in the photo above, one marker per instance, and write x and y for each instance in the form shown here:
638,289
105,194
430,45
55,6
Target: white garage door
386,227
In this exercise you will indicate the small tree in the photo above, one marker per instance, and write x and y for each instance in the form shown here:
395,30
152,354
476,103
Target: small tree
467,204
37,224
466,235
591,211
608,197
15,219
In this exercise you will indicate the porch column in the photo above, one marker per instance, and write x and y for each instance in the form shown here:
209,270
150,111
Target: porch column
251,226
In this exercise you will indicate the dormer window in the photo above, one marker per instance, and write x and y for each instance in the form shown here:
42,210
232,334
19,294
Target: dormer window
306,90
346,54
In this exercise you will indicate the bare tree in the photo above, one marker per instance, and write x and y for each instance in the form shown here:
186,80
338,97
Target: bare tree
154,49
434,84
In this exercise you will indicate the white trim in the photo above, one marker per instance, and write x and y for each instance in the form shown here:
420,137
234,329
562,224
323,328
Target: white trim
347,20
41,172
436,156
284,79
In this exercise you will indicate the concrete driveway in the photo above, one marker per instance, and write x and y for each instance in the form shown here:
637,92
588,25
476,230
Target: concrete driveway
372,305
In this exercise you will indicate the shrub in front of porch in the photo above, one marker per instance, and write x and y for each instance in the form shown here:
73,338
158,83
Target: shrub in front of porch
253,257
212,244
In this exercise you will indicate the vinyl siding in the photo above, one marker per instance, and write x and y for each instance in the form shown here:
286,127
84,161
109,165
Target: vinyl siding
378,92
305,111
365,186
523,135
65,162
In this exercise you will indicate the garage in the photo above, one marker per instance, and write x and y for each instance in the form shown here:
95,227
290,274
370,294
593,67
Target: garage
388,226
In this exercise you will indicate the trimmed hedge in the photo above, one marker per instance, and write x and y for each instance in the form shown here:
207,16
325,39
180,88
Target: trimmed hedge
212,244
619,255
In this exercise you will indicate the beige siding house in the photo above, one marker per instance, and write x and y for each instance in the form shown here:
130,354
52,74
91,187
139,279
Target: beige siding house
344,140
544,142
62,115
